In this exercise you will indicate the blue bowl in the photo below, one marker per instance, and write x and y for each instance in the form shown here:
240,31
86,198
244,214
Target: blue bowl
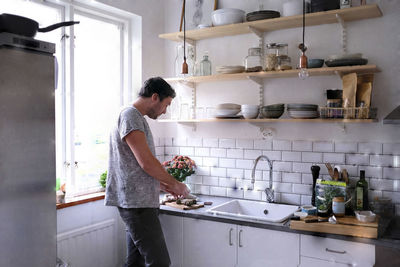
315,63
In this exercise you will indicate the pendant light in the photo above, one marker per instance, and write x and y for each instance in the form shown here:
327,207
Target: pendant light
185,68
303,58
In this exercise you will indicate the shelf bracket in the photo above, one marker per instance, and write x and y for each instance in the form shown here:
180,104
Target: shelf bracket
257,80
256,31
193,125
260,83
187,83
189,41
339,73
344,33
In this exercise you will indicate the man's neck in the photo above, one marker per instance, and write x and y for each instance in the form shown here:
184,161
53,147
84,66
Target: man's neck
141,105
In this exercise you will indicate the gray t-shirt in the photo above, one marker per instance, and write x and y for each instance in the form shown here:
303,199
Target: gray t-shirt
128,186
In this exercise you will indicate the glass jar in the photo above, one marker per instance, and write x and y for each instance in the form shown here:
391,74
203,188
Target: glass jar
338,206
253,62
274,50
284,63
205,66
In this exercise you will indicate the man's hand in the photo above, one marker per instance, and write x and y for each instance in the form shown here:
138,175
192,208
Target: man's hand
178,190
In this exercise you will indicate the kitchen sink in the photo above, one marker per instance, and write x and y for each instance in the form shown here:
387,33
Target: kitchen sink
255,210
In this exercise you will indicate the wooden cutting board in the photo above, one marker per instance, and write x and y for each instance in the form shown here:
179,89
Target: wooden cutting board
347,225
184,207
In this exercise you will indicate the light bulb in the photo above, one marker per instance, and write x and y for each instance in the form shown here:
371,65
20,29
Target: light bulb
303,73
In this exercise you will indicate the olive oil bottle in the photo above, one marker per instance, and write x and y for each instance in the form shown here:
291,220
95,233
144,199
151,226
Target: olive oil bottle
362,193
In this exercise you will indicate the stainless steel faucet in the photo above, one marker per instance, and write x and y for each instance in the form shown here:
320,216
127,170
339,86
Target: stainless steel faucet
268,191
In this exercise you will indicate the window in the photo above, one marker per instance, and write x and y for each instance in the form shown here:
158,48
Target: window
94,63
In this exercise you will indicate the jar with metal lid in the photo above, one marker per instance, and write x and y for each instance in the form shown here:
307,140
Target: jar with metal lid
253,62
338,206
274,50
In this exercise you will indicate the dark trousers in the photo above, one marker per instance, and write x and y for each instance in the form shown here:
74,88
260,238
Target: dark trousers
144,238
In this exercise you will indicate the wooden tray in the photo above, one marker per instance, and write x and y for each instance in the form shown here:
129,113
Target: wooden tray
183,207
347,225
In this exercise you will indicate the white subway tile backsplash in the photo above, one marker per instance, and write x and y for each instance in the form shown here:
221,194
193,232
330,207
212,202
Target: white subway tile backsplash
201,170
161,159
357,159
276,176
167,141
291,177
312,157
210,162
282,166
171,151
252,153
244,164
384,184
303,189
197,142
197,160
346,147
227,163
336,158
375,172
220,172
306,178
323,147
257,174
292,199
162,141
202,151
263,144
391,173
291,156
203,189
371,148
210,180
218,152
234,153
218,191
156,141
302,146
235,173
281,145
302,167
227,182
252,194
235,193
391,149
373,194
244,143
227,143
179,141
186,151
394,196
282,187
261,185
160,151
210,142
195,179
305,200
382,160
273,155
351,169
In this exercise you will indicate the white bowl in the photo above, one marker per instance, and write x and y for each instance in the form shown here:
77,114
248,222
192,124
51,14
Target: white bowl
228,106
226,112
226,16
249,107
250,114
365,216
292,8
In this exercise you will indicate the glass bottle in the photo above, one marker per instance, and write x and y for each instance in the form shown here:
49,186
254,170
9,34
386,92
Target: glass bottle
205,66
253,61
362,192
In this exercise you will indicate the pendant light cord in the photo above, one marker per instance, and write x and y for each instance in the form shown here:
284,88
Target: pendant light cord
304,19
184,29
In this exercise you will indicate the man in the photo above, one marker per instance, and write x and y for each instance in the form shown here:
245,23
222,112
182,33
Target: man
135,176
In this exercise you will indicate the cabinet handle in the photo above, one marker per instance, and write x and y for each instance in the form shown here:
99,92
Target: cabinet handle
240,238
335,251
230,237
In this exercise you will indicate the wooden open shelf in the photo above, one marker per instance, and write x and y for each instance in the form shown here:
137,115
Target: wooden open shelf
318,18
318,120
278,74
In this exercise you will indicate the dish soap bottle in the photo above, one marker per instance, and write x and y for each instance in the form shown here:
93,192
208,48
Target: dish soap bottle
205,66
362,193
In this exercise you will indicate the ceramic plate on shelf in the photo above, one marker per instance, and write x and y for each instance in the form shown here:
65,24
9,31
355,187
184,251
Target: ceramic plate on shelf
346,62
229,117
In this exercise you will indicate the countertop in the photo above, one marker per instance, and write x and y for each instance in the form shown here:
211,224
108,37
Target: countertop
390,237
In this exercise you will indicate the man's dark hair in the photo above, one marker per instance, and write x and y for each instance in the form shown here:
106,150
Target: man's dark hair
159,86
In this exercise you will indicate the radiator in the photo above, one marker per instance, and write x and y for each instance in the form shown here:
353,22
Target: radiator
93,245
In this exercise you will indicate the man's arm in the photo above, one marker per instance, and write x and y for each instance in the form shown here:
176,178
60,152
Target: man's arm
138,145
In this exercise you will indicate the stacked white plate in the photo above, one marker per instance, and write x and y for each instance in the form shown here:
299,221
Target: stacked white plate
303,111
227,110
230,69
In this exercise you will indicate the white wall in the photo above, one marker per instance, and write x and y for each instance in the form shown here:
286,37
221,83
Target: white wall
377,39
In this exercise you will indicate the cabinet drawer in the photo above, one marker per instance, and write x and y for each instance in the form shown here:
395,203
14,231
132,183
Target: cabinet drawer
337,250
311,262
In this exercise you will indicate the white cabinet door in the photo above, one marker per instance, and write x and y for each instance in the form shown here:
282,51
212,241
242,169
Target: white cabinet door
312,262
173,232
208,243
263,248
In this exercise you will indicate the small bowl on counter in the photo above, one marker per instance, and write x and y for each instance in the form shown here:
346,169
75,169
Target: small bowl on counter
226,16
365,216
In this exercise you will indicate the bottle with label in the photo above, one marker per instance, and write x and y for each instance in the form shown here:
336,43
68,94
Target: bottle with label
362,193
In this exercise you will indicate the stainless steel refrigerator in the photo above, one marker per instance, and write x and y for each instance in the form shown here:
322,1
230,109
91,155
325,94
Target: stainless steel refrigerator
27,154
